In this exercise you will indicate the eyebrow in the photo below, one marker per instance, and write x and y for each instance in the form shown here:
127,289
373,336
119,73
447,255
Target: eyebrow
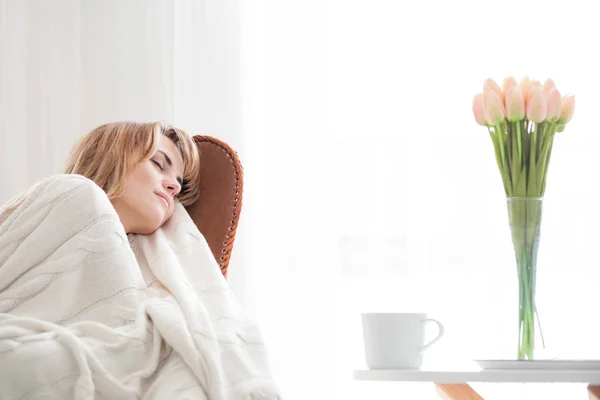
168,159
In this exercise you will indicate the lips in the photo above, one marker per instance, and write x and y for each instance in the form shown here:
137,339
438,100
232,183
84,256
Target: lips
164,198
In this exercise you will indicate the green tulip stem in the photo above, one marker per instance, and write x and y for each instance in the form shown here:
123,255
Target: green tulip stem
519,144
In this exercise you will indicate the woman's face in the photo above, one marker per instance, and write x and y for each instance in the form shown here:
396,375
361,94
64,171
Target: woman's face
147,201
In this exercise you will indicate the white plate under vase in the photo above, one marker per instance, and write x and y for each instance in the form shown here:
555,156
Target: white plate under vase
584,365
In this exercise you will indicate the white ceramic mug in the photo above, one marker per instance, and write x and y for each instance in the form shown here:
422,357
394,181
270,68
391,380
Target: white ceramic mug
396,340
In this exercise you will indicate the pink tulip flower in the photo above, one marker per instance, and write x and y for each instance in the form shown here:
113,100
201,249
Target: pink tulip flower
525,87
507,84
478,109
549,85
568,108
493,109
515,104
491,85
554,105
537,105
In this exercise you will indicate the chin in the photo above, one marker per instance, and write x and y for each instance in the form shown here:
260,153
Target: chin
151,223
149,230
145,229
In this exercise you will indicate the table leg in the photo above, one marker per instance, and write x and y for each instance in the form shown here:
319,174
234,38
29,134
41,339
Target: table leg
594,392
458,391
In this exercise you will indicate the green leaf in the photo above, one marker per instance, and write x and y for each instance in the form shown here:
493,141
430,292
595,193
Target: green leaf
515,162
542,138
544,171
496,150
506,176
531,165
497,154
526,139
521,185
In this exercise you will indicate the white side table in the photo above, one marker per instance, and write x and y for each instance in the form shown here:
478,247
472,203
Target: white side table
453,385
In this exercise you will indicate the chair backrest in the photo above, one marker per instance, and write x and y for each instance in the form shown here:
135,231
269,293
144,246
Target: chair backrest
217,211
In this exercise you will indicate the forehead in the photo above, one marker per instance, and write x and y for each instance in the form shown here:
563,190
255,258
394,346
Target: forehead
167,146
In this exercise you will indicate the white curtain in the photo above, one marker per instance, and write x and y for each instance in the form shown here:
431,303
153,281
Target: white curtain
369,187
67,66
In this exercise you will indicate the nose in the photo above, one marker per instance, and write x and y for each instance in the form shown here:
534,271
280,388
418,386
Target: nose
171,185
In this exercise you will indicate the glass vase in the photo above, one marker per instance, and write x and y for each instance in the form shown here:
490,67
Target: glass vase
525,217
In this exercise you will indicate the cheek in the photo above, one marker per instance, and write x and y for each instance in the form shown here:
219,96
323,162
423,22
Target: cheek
149,175
140,191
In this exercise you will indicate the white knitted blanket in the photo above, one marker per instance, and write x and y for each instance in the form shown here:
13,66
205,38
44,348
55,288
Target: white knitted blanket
86,313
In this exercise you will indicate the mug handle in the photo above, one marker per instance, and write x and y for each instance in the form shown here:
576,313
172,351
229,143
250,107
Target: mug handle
438,337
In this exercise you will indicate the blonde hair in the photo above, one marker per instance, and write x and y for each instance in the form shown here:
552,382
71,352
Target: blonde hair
109,153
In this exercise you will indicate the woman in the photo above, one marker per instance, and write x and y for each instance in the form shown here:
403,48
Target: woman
122,178
89,312
144,168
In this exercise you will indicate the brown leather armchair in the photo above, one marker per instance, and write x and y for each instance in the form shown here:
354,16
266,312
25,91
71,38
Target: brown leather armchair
217,211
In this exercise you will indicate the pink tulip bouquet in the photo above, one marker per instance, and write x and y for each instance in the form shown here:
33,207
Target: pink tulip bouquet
522,119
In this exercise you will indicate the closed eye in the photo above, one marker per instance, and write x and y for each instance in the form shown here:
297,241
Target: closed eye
159,165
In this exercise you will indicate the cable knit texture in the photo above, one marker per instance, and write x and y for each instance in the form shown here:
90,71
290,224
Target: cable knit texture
88,313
